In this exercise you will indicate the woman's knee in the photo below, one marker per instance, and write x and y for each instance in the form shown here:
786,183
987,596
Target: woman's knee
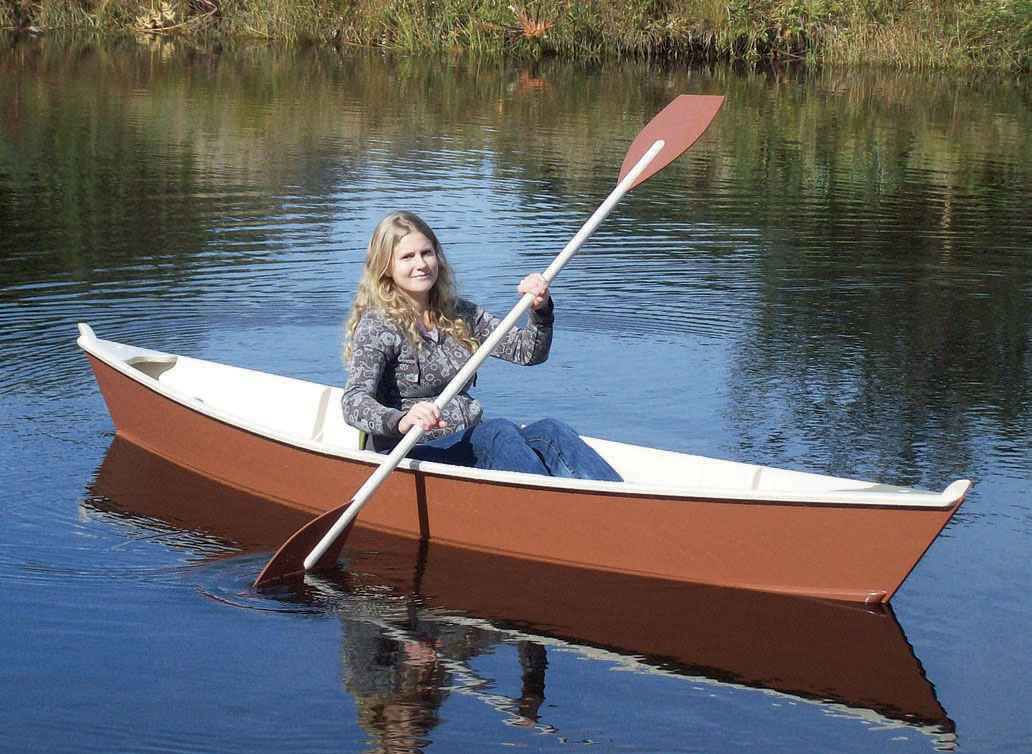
498,430
549,428
498,444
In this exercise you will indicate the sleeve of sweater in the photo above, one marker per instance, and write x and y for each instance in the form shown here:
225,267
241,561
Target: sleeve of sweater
521,345
373,347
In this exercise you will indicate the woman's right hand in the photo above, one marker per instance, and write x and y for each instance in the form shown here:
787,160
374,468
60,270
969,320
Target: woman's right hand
425,415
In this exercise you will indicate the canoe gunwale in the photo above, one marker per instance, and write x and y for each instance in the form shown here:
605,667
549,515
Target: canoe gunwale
129,359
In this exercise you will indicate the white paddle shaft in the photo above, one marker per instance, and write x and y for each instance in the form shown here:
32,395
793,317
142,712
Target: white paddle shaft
365,492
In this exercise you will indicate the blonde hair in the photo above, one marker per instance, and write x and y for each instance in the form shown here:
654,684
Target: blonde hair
376,289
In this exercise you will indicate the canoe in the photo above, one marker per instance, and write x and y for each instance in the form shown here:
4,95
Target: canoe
676,516
853,659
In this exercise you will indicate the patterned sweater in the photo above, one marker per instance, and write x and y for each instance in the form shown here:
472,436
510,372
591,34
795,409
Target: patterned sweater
387,375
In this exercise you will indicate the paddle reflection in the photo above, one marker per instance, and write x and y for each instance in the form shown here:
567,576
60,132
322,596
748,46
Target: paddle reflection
415,615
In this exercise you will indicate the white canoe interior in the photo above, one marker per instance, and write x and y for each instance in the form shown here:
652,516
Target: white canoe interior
309,415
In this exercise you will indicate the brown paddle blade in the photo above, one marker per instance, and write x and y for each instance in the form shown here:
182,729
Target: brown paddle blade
288,564
679,125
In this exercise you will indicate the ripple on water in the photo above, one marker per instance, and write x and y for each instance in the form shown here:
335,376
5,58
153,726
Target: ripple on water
230,582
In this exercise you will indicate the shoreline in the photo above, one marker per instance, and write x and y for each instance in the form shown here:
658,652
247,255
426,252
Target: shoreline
949,34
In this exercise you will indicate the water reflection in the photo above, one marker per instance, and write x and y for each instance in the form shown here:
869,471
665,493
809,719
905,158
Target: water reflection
401,660
414,616
855,242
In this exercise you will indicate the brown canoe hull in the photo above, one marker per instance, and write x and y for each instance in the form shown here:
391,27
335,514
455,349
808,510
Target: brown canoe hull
844,552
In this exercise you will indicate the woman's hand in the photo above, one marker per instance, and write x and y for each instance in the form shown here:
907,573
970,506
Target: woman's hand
425,414
536,285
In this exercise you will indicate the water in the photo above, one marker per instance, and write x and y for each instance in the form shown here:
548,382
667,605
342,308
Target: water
836,277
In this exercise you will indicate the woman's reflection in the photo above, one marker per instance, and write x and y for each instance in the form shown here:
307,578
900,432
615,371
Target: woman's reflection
401,667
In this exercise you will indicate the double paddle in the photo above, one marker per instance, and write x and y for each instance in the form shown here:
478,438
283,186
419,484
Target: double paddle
317,545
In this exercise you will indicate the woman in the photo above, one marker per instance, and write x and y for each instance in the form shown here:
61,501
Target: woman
409,335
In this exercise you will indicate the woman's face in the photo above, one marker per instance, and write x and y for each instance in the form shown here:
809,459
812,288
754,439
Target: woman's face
414,267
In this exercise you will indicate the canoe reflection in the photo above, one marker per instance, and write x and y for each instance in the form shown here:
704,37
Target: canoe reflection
413,614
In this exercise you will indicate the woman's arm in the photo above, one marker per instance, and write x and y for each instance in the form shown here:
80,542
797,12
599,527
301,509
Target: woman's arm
373,347
527,346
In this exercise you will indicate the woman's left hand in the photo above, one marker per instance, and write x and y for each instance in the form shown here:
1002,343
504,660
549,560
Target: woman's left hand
536,285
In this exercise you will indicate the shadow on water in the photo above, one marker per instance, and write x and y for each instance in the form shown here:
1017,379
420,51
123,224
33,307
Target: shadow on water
414,614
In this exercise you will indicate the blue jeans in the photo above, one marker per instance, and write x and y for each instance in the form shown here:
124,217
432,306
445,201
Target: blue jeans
547,447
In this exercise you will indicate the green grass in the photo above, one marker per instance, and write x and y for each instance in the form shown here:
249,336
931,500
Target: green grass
942,34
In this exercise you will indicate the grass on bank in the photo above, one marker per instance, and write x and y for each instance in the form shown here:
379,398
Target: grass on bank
906,33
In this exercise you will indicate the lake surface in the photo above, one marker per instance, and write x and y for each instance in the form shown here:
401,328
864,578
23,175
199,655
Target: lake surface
836,277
